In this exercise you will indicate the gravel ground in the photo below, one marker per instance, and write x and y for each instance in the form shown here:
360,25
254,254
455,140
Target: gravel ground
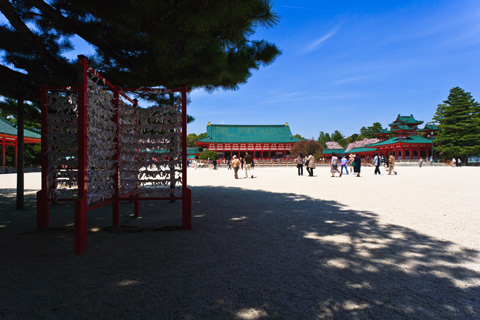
279,246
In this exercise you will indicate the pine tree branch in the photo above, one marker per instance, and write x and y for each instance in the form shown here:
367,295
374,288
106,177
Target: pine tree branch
16,84
68,25
9,11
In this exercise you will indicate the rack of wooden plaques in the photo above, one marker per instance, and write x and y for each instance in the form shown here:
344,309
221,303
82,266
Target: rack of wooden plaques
99,148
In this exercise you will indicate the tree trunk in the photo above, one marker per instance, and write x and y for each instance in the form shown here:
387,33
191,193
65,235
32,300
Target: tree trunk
20,156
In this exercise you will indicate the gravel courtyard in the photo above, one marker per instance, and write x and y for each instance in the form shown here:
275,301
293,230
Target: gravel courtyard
279,246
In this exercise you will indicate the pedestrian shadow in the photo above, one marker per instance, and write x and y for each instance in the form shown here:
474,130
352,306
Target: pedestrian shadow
251,254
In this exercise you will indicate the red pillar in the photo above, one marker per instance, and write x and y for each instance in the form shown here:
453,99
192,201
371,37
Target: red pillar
3,152
16,151
82,158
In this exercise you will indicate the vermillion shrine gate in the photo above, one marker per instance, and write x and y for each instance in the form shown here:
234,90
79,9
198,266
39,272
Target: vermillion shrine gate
99,148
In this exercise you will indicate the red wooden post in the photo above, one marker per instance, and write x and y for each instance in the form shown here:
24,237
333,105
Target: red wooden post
16,151
186,193
82,158
116,158
43,204
136,202
3,152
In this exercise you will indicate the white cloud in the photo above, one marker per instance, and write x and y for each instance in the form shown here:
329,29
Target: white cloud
346,80
315,44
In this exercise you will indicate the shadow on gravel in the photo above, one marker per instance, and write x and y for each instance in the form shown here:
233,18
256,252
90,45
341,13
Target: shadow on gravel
251,255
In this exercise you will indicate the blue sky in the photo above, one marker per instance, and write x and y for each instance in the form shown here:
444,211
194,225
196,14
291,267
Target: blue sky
347,64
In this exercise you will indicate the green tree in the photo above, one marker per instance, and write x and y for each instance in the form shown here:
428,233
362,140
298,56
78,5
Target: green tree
459,121
351,139
369,132
208,154
137,43
299,136
191,140
338,137
201,135
323,138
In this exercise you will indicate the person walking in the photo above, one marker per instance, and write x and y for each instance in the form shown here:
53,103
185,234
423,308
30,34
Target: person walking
420,162
350,161
391,164
343,165
236,166
334,165
310,165
300,161
357,164
376,162
454,162
248,164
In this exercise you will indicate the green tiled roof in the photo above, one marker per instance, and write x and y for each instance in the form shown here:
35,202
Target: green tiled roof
192,151
409,139
402,127
223,133
330,151
360,150
7,127
406,120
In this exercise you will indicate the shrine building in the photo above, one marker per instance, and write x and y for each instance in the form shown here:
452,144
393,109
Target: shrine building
403,140
8,138
406,142
261,141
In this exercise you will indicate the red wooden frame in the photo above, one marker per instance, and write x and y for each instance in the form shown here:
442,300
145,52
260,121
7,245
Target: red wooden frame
81,206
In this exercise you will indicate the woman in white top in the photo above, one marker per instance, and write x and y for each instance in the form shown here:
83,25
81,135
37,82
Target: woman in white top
334,165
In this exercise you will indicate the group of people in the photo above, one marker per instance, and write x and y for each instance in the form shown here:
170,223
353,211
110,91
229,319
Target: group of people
420,161
308,162
353,161
456,162
338,165
238,164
